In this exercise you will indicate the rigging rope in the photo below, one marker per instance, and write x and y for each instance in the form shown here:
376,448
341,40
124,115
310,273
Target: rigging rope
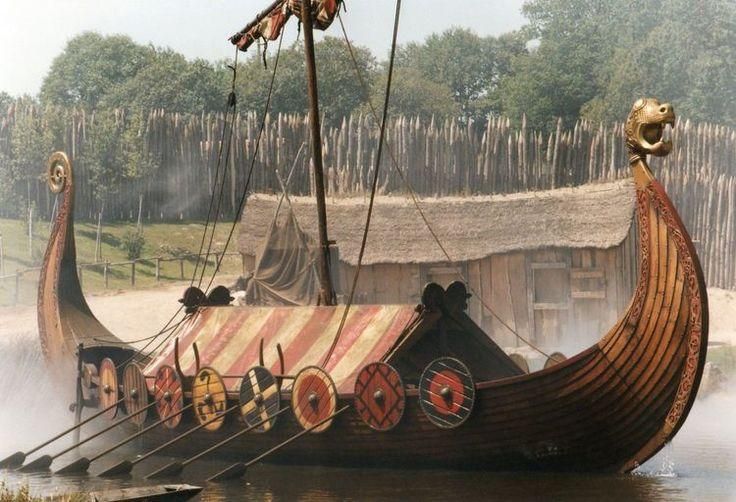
230,110
168,327
241,204
374,183
244,195
415,200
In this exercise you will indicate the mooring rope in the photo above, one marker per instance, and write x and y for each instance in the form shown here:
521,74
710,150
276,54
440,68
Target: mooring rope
374,183
415,200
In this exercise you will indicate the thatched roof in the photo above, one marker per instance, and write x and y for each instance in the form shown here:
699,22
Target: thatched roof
470,228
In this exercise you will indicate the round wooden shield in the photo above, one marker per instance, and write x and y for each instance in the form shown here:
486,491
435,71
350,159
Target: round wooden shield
379,396
259,398
446,392
554,358
135,393
209,397
167,391
313,398
108,387
520,362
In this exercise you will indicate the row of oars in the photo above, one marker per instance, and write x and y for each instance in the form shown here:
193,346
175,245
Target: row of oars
44,461
124,467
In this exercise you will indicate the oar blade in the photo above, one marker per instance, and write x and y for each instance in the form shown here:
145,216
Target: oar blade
232,472
14,460
40,464
168,471
119,469
78,466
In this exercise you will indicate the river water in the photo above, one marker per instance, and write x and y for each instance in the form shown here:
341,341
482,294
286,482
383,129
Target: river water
700,464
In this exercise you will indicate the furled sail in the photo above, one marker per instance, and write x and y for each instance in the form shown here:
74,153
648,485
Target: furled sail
269,26
285,273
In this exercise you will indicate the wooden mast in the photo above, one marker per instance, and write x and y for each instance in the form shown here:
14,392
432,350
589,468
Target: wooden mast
326,292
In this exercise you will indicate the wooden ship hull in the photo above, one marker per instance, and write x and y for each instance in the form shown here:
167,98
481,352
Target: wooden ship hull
608,408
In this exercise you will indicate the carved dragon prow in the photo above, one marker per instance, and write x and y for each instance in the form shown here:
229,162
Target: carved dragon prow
64,319
668,257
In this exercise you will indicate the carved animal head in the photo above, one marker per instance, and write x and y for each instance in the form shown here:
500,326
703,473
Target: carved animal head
648,128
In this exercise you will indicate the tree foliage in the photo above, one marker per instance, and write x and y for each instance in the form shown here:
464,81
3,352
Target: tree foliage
595,58
469,65
90,66
338,87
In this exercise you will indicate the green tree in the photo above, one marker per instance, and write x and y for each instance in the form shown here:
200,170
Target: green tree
413,95
339,89
29,150
5,101
102,153
170,82
469,65
595,58
685,59
90,66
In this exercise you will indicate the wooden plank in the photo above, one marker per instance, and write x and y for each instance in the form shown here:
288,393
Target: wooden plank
587,273
578,295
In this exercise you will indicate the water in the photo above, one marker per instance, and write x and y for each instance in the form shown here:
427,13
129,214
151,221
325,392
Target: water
700,464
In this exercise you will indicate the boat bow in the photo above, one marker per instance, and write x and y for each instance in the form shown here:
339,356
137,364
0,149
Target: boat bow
659,347
64,319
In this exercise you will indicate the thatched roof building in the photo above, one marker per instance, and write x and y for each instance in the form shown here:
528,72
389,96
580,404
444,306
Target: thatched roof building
591,216
536,257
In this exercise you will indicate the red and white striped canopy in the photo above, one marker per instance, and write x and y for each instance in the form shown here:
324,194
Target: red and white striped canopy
228,339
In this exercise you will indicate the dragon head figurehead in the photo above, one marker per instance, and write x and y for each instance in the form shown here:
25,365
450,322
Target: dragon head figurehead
648,128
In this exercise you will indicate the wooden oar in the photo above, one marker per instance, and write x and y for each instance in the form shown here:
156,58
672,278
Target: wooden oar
175,468
19,457
126,466
44,461
82,464
237,470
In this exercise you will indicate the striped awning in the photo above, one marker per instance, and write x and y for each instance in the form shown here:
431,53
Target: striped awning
228,339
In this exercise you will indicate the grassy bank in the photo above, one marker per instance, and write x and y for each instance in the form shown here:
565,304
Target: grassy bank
163,240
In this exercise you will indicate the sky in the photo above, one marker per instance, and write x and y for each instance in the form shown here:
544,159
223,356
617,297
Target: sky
33,32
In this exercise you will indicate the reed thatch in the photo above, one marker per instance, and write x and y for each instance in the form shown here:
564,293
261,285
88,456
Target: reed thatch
471,228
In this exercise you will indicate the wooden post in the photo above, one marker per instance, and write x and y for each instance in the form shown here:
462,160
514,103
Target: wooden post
327,293
17,286
80,394
181,268
30,232
140,211
132,273
105,275
98,239
158,269
2,256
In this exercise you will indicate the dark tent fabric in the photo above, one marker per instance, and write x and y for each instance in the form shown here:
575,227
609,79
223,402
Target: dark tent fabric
285,273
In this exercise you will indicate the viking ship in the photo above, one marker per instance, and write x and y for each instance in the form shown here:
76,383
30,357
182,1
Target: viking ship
402,385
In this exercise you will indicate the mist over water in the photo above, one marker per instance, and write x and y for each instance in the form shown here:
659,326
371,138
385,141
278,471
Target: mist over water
700,464
34,401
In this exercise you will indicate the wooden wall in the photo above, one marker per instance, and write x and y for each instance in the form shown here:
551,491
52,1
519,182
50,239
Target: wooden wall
560,299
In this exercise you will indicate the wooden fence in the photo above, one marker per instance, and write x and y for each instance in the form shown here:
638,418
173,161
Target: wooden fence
447,157
105,269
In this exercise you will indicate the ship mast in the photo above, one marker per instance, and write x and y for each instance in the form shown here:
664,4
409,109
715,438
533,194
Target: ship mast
327,292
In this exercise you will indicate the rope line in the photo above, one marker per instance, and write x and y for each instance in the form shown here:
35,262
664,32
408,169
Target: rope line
168,327
415,200
231,110
244,195
374,183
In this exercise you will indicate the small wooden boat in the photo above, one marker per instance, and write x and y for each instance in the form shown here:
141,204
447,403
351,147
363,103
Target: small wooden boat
406,385
162,493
